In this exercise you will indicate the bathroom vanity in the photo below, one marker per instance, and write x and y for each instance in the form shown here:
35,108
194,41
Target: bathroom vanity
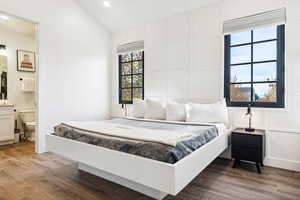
6,124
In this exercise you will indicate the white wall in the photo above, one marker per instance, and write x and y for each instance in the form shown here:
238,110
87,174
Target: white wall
184,61
74,62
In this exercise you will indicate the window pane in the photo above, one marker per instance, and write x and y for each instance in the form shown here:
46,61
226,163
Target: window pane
240,38
126,68
268,33
126,81
126,95
240,73
126,57
137,80
265,72
265,92
265,51
137,55
137,67
138,93
240,92
240,54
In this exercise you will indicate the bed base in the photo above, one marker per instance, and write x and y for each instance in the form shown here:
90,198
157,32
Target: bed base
150,177
156,194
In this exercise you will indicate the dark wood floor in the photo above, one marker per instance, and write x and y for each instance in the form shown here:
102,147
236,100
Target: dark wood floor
28,176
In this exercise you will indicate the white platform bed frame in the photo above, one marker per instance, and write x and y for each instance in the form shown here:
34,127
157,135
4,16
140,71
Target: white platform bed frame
150,177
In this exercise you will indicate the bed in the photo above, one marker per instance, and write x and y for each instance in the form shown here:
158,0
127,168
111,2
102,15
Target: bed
120,150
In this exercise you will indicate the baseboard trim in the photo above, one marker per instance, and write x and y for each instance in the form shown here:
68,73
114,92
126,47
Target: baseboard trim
283,164
6,142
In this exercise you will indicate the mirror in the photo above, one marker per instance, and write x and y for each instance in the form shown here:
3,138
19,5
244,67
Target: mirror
3,77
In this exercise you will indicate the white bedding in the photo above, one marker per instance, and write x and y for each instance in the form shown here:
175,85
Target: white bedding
128,132
220,126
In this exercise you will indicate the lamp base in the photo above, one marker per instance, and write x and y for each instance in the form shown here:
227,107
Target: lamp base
249,129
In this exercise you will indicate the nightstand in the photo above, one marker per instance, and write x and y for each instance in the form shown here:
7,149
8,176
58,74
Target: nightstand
248,146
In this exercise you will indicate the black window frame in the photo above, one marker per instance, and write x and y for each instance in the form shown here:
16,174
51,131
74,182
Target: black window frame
280,80
131,74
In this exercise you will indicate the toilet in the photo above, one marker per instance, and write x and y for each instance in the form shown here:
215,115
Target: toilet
28,123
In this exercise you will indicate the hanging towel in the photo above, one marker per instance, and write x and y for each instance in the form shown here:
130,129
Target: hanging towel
28,85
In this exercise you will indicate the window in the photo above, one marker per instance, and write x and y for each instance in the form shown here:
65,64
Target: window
254,67
131,76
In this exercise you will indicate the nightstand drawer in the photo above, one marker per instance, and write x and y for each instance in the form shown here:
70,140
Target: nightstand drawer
246,141
247,154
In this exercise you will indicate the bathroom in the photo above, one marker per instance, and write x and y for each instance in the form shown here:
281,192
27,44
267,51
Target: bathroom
18,66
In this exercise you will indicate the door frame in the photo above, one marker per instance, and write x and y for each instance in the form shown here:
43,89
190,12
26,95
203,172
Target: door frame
38,137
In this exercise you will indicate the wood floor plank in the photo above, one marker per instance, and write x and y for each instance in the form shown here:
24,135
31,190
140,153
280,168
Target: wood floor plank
25,175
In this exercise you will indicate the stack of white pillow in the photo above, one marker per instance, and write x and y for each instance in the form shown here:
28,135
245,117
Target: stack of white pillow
172,111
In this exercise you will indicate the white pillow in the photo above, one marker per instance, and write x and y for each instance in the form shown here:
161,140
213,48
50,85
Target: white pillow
155,109
175,111
138,108
221,111
207,113
201,113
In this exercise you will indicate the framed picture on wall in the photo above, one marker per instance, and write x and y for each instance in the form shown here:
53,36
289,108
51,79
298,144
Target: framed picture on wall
25,61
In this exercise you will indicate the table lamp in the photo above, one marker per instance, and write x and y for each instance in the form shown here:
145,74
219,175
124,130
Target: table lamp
249,115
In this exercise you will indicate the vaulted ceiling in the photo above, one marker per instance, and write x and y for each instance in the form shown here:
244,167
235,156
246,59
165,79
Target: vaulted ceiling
123,14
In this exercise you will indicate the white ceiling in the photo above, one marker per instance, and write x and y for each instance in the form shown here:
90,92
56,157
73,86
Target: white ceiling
18,25
127,13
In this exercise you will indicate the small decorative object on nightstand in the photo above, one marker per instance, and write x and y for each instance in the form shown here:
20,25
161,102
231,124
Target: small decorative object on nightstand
248,146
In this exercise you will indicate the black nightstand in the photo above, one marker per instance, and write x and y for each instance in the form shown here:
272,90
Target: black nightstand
248,146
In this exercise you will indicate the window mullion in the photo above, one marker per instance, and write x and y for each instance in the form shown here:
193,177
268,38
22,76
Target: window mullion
131,65
256,42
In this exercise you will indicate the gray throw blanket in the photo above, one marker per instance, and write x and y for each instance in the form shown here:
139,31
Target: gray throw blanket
201,134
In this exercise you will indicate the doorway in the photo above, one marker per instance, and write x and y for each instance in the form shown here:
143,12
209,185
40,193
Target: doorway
18,75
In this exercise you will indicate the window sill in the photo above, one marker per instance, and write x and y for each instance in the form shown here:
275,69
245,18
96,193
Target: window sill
260,109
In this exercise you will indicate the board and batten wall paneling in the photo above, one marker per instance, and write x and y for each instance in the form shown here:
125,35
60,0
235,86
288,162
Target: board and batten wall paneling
283,150
74,62
184,61
173,62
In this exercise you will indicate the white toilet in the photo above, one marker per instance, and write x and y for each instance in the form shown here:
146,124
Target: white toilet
28,122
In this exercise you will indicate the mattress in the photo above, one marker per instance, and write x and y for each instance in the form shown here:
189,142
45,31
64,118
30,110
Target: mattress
201,134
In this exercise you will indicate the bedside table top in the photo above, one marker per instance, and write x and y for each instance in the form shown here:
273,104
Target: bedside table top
243,131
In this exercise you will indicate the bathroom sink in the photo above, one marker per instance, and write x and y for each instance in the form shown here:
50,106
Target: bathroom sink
27,111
